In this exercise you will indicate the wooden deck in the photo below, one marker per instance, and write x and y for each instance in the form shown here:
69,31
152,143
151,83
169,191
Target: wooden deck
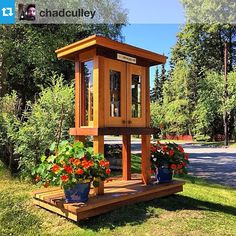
117,193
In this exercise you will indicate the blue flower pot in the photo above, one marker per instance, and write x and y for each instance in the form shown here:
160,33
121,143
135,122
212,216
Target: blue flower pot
77,193
164,174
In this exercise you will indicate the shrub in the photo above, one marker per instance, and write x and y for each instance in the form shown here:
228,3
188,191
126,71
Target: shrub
202,138
9,126
47,120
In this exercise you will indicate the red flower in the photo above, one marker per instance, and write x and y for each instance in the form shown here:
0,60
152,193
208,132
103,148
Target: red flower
108,171
79,172
68,169
102,163
76,162
37,179
85,164
186,156
153,149
180,149
55,168
71,160
106,164
171,153
90,163
64,178
179,166
173,166
184,163
164,148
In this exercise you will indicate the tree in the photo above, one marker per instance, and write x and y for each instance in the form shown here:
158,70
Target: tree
201,44
162,82
157,91
176,101
29,60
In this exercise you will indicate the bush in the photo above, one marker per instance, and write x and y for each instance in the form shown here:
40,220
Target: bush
47,120
9,126
202,138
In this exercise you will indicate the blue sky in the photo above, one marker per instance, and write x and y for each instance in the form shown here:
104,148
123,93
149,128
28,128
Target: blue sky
159,38
154,11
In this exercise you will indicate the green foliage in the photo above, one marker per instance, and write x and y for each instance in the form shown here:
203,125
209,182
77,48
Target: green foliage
29,58
47,120
202,138
157,115
157,91
210,11
202,47
70,164
176,102
9,126
209,104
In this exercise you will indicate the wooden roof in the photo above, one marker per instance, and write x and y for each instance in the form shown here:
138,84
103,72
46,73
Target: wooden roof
71,51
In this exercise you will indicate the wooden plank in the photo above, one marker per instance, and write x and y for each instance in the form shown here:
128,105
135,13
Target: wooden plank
146,163
147,98
97,93
77,94
44,190
69,52
51,193
98,147
55,209
126,157
85,131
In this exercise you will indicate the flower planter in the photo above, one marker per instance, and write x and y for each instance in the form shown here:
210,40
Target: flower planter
164,174
77,193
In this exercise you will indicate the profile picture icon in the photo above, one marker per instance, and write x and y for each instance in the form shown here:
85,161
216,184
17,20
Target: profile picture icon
27,12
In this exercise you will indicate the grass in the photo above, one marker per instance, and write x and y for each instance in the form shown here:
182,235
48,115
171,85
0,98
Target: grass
202,209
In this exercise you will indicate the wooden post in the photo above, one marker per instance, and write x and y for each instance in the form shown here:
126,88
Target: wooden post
126,157
98,146
146,163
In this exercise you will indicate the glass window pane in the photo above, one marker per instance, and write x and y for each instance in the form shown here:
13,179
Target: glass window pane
136,96
87,68
115,83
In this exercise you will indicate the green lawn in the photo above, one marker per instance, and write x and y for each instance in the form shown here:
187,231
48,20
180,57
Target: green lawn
202,209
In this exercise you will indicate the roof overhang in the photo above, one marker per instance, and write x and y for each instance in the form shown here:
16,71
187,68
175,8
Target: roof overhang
72,51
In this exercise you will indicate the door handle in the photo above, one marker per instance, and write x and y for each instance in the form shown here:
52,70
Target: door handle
129,121
123,121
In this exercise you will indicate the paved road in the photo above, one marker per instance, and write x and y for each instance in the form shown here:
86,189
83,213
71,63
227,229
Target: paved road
214,164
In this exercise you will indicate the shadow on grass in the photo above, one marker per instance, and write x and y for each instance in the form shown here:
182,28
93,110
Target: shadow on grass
138,213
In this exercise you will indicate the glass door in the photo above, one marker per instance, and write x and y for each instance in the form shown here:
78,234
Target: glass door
136,96
115,93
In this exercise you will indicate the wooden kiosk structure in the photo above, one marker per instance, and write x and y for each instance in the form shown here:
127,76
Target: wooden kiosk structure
112,97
